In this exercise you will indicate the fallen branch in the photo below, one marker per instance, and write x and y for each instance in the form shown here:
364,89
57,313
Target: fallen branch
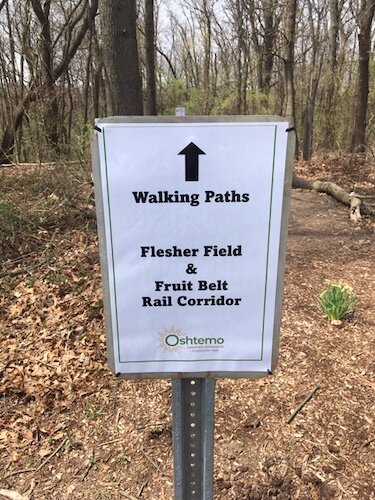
42,164
304,403
16,472
352,200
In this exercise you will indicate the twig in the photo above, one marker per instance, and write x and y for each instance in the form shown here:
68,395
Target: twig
42,362
140,492
16,472
152,462
21,257
110,442
368,442
22,271
63,442
300,406
37,469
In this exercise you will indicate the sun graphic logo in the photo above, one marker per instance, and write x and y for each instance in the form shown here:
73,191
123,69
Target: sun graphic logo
169,339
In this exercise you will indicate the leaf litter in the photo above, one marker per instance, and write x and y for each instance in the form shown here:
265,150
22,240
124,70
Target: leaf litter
70,429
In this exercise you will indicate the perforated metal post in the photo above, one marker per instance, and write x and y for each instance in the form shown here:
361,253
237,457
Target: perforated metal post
193,402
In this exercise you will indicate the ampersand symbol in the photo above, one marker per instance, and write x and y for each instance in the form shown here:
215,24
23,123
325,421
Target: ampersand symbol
191,269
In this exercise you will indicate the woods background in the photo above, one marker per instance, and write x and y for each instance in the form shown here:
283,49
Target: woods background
306,59
68,427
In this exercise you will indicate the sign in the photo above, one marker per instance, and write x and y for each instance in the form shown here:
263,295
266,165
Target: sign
192,215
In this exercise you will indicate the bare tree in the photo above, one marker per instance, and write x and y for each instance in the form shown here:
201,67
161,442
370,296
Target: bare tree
316,16
357,133
42,81
329,98
301,59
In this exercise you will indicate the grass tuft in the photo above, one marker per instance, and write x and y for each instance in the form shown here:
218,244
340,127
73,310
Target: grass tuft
337,301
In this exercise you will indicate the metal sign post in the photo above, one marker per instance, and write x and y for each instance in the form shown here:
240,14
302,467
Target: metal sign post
193,437
193,413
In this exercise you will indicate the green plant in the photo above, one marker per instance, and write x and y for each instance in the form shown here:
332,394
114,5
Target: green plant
121,457
337,301
93,414
68,442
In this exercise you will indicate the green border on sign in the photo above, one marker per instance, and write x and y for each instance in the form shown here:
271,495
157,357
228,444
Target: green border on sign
117,334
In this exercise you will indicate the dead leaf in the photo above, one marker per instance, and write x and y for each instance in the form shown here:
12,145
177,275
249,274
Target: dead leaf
43,452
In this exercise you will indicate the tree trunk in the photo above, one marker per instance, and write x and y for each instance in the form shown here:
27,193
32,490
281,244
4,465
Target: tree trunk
150,57
263,39
269,42
308,125
240,33
47,85
357,140
97,71
289,97
308,128
88,77
96,85
329,123
120,50
289,106
9,134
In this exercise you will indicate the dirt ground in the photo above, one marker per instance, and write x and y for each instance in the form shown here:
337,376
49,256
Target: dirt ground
70,430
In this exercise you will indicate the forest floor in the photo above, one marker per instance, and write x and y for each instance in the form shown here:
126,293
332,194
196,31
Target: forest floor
70,430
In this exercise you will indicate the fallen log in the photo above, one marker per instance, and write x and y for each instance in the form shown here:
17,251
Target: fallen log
353,200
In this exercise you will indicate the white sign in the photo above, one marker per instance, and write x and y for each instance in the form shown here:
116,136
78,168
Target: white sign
190,216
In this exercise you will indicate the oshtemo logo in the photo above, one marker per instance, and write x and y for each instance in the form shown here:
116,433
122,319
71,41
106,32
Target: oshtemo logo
173,340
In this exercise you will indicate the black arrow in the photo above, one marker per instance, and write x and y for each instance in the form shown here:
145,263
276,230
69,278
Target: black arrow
191,153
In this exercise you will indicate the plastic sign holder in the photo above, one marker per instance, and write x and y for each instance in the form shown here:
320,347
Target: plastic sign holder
192,219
